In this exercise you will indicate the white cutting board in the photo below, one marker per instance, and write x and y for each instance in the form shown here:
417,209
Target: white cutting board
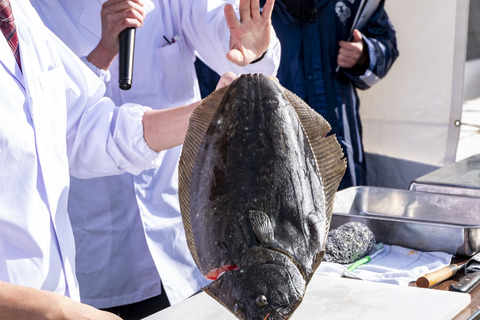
341,298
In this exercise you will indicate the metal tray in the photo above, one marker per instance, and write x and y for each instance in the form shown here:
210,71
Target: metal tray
419,220
460,178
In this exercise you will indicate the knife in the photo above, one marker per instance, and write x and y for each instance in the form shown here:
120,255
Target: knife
438,276
447,272
466,283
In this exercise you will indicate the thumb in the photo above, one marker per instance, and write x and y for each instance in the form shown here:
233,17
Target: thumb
236,56
357,36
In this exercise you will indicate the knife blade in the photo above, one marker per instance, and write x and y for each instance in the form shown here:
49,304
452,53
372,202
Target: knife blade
466,283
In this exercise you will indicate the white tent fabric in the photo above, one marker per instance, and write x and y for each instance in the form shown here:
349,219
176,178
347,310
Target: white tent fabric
409,116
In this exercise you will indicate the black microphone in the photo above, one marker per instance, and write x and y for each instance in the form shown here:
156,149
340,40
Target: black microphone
126,40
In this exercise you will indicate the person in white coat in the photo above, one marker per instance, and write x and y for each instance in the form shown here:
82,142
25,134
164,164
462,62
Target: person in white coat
128,229
55,122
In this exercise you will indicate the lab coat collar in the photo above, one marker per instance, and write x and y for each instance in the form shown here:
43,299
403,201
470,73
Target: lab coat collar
28,51
8,59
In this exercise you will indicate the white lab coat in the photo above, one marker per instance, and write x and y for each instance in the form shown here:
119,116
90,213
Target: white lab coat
113,263
53,118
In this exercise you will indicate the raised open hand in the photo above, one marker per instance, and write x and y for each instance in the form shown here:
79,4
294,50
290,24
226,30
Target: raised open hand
249,36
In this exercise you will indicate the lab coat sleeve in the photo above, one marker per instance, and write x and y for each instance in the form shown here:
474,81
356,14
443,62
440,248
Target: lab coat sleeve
379,36
205,27
104,75
102,139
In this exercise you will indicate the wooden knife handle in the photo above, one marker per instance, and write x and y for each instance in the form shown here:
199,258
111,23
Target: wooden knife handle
438,276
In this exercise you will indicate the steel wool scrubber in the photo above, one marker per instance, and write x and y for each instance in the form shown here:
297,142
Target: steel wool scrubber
348,243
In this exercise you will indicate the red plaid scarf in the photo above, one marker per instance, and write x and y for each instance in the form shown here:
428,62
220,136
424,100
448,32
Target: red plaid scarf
7,25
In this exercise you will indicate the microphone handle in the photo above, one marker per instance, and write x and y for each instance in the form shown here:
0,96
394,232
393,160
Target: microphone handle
126,40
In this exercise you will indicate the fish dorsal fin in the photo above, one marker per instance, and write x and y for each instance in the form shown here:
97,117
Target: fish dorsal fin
198,126
262,226
326,149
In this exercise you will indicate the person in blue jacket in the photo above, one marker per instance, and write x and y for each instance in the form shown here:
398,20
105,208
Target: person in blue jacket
324,62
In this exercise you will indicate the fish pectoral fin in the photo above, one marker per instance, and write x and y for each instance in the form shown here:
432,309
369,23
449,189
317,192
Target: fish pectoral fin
262,226
316,225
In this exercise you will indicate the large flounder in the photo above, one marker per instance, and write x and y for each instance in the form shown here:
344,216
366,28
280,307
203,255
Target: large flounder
258,178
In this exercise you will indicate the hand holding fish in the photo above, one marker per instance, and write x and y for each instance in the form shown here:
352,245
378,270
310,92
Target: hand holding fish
226,79
166,128
352,53
249,36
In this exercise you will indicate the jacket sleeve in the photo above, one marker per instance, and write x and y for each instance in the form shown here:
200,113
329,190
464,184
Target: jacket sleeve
379,35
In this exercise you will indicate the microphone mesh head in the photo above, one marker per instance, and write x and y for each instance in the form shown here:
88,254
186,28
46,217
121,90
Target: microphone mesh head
348,243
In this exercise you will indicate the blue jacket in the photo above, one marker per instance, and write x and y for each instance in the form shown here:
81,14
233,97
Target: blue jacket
309,62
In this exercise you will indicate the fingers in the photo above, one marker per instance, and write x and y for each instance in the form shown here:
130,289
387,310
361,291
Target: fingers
350,52
345,61
357,36
225,80
255,9
250,9
121,14
245,10
267,9
118,15
231,17
249,36
349,55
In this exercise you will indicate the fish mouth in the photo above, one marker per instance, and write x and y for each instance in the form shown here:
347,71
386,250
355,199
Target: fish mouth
214,274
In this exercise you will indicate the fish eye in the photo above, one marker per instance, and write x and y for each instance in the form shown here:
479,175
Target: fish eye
261,301
237,308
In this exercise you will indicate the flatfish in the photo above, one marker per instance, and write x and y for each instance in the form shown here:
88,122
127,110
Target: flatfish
257,180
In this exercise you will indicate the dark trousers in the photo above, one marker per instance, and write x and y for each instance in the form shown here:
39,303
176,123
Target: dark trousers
141,309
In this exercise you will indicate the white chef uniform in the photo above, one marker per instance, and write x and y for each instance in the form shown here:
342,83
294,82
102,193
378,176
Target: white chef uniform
53,119
113,264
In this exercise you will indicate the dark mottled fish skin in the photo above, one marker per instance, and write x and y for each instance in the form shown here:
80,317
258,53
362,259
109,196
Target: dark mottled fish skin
266,275
253,195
